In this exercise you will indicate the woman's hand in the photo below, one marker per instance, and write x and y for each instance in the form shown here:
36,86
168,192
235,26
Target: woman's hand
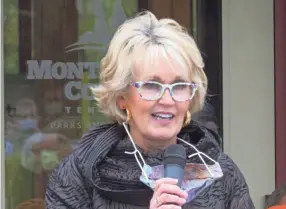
168,195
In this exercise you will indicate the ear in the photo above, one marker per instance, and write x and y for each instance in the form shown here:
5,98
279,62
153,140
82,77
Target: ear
121,102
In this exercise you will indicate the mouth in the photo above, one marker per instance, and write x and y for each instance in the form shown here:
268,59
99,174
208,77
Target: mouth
163,116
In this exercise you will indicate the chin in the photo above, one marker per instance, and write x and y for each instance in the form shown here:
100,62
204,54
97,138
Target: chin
163,133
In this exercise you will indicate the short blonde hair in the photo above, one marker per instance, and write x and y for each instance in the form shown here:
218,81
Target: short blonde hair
145,34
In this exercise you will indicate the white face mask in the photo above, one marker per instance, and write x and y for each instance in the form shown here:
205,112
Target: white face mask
196,176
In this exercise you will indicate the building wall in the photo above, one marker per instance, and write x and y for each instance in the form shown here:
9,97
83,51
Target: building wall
280,86
248,92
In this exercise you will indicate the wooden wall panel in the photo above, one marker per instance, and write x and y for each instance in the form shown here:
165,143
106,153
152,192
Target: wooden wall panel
182,13
280,89
179,10
24,26
161,8
55,26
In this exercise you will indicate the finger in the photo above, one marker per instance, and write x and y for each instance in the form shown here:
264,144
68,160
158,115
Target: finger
165,181
169,207
171,199
171,189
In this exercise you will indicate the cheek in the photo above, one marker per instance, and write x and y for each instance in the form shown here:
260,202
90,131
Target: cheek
182,109
137,105
142,108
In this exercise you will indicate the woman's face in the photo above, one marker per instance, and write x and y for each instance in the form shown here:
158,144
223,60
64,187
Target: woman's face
26,117
146,122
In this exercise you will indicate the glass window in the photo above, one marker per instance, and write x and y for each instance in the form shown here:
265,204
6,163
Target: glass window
11,55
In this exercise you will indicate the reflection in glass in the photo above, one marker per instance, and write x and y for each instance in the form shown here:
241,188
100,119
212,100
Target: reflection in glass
48,72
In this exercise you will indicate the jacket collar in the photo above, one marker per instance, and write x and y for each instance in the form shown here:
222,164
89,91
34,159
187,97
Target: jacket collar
98,142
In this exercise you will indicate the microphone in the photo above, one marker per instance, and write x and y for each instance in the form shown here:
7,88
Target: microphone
174,162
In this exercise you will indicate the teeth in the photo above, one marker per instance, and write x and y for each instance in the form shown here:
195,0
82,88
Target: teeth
163,116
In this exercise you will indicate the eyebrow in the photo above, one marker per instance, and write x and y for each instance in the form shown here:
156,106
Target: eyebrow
158,79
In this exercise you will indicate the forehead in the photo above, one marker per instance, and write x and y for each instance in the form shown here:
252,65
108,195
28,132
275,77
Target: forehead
162,67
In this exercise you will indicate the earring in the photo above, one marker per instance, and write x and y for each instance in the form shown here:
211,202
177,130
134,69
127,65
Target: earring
128,114
188,118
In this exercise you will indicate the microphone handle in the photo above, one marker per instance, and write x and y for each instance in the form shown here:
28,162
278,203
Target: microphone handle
174,171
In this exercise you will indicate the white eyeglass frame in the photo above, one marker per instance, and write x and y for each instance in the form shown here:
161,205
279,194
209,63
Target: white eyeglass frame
139,84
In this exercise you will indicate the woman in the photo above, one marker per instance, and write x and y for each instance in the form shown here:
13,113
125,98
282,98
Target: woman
151,82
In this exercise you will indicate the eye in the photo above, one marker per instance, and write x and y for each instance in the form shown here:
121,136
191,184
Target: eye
151,86
181,86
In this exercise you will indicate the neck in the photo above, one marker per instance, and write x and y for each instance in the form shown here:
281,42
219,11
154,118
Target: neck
151,144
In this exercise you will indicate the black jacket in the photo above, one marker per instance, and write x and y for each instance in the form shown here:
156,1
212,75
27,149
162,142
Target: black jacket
99,175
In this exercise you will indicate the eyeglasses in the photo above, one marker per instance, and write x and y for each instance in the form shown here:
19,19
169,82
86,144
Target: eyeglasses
152,90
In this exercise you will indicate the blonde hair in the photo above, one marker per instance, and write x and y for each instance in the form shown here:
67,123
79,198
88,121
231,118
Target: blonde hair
140,39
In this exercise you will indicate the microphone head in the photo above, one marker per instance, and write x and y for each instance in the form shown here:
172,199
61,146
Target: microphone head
175,154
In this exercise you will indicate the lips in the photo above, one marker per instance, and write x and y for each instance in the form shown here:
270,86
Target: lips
163,116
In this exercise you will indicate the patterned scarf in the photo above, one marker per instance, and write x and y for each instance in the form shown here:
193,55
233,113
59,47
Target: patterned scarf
116,174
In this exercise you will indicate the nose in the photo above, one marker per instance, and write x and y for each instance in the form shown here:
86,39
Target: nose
167,98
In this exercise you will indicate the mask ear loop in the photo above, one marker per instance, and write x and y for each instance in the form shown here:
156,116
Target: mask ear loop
199,154
134,153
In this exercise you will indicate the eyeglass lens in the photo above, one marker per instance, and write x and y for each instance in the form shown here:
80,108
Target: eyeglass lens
179,91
